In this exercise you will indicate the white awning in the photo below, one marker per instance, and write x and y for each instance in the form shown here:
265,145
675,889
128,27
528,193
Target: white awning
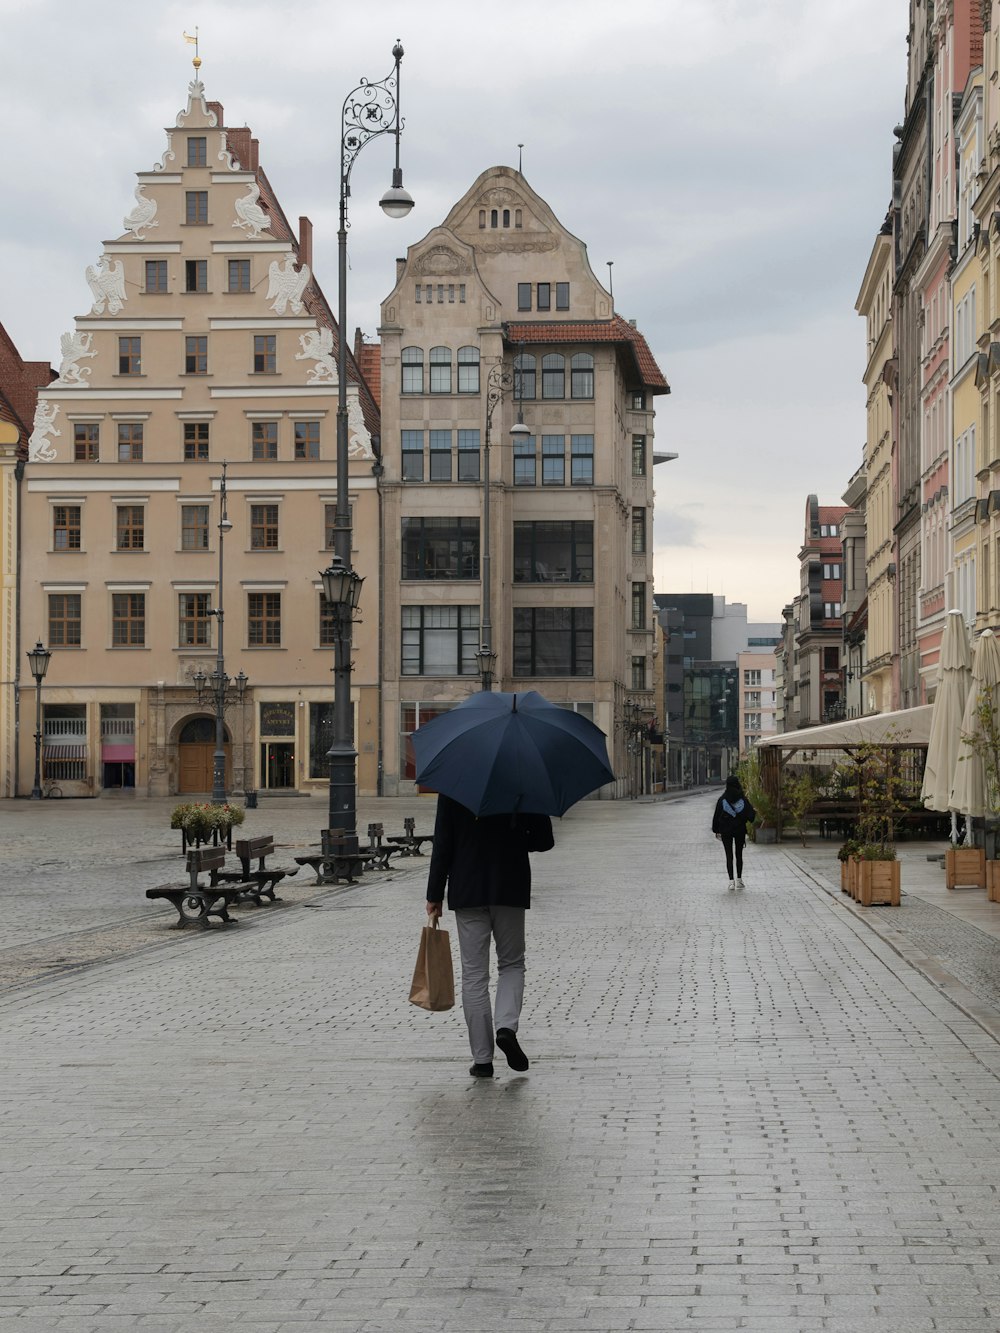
908,726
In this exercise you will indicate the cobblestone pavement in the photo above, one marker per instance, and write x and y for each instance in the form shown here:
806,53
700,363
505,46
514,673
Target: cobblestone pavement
745,1111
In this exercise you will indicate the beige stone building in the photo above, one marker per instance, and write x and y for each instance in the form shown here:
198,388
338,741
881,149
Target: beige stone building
501,285
208,341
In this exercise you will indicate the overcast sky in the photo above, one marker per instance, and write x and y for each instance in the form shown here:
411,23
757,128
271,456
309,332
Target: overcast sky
732,157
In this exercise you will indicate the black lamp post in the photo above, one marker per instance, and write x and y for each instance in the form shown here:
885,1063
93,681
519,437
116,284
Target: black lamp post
342,591
218,688
38,660
497,381
370,110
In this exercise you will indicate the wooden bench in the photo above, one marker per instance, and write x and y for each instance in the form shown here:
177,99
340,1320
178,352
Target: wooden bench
197,902
334,862
377,853
265,877
408,842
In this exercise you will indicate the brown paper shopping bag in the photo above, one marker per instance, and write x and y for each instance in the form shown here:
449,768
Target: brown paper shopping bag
433,977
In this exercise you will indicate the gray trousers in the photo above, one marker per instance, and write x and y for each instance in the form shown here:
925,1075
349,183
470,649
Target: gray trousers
476,926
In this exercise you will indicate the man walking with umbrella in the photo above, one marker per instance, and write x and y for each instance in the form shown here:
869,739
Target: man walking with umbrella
483,861
501,765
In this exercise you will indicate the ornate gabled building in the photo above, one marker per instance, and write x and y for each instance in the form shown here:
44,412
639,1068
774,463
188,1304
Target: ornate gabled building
208,343
502,295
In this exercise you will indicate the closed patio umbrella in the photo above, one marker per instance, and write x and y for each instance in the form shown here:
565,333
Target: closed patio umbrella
968,790
954,680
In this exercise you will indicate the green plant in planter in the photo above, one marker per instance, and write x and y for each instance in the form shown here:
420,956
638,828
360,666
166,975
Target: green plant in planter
767,804
799,793
880,788
199,821
850,848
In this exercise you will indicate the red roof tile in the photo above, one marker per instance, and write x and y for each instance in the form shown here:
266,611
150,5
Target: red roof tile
615,330
369,359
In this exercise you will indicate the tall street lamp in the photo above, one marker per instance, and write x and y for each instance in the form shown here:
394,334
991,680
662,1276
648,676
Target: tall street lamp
38,660
370,110
218,688
497,381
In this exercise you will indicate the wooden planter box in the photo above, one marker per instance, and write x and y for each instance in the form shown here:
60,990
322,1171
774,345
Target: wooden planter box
853,876
965,867
845,877
993,881
878,883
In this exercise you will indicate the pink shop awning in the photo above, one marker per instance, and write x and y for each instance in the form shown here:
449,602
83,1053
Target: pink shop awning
118,754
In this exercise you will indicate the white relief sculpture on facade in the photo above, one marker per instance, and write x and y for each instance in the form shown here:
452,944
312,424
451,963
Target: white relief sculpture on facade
442,262
40,449
317,345
142,215
249,214
107,282
359,441
74,347
286,286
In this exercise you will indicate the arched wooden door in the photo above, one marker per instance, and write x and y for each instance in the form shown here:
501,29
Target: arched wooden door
195,751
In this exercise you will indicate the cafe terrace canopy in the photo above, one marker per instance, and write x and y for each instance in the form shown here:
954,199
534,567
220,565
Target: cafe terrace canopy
907,729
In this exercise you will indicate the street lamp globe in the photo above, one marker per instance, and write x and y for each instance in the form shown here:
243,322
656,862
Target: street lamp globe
396,202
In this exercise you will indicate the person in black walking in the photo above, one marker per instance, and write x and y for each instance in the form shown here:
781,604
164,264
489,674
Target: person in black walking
483,863
733,812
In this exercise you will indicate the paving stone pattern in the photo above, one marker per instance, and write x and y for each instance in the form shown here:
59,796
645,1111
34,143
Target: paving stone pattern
744,1111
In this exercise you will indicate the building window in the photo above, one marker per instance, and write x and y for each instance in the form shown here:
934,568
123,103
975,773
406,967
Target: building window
554,551
129,356
439,640
582,375
638,455
128,619
196,275
263,527
307,441
831,659
130,527
524,461
524,376
831,610
413,369
196,354
264,619
65,613
440,361
553,376
638,400
440,548
543,296
413,455
832,571
196,441
524,296
638,607
66,531
265,354
751,698
553,460
264,441
638,531
193,620
752,721
130,441
86,438
582,460
196,207
197,150
194,527
239,275
440,455
468,370
638,673
156,275
562,295
553,641
468,455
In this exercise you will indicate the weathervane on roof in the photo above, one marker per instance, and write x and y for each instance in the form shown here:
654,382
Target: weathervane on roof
194,42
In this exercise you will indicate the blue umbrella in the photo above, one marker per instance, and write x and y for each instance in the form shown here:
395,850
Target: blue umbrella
495,753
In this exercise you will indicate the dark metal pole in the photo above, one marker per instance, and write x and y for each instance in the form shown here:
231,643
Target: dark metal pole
36,791
486,629
219,757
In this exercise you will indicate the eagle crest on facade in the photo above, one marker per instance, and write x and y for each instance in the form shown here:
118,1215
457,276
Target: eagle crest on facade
285,286
107,282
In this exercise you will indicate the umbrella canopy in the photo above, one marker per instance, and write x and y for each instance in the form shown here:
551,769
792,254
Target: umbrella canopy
968,790
954,679
495,753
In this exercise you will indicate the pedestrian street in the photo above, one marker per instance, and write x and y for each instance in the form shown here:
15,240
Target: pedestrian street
745,1110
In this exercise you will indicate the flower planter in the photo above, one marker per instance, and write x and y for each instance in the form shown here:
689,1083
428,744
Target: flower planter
845,877
993,881
878,883
766,835
965,867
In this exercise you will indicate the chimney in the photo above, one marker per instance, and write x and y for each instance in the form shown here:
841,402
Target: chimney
217,111
305,241
400,266
254,155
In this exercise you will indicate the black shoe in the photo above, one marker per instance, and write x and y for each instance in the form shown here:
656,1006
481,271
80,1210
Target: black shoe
481,1071
516,1058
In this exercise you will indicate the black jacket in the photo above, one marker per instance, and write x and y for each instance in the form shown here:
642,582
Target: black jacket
484,861
723,822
